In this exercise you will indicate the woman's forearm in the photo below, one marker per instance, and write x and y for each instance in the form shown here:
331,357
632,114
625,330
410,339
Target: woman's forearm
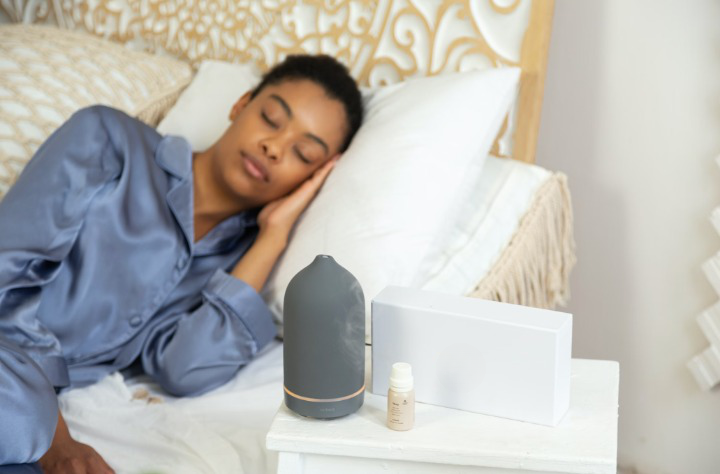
257,263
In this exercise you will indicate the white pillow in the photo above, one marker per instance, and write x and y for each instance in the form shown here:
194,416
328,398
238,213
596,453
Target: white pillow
202,113
388,208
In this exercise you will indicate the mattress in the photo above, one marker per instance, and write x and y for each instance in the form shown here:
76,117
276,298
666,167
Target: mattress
138,428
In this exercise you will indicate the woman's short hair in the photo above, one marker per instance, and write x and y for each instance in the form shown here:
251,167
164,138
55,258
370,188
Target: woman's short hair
327,72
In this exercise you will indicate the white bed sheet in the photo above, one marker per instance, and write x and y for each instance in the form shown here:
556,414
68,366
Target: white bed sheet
505,192
224,430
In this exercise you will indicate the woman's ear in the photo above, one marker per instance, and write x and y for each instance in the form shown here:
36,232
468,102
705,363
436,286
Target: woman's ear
239,105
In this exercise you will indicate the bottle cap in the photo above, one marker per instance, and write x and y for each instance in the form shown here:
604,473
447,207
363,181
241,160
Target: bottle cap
401,379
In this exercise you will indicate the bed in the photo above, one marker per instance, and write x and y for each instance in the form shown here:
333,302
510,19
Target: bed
511,236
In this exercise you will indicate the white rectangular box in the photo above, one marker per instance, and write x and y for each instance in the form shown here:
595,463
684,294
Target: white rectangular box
476,355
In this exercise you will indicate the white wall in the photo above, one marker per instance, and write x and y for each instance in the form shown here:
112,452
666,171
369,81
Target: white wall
632,115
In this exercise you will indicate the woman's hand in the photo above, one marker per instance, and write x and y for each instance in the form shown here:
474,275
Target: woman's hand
68,456
277,218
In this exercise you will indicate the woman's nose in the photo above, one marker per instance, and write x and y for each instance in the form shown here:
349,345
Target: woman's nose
271,150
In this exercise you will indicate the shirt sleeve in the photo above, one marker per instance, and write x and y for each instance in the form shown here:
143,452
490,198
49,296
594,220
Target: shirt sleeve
29,408
203,349
40,218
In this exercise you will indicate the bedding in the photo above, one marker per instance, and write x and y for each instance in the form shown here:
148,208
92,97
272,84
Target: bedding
222,431
489,222
138,428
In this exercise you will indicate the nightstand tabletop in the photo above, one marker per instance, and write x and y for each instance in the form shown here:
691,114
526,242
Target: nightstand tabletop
585,441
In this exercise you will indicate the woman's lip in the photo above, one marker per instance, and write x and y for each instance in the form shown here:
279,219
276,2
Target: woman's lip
255,168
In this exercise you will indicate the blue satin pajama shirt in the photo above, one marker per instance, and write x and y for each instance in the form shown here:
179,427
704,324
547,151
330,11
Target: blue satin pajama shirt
99,269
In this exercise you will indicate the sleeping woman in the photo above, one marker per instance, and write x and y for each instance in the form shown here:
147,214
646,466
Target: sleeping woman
121,247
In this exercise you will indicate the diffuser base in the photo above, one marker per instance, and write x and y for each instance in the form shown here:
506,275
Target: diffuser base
325,410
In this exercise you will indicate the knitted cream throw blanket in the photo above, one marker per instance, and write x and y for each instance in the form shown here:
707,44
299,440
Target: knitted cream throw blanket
534,268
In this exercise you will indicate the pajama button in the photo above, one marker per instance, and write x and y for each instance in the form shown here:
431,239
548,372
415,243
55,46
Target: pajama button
181,263
135,321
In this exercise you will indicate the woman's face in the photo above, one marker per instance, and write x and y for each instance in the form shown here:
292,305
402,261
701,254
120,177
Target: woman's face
277,140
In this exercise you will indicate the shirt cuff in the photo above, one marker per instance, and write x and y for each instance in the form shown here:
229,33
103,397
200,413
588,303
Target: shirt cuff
56,370
54,367
246,303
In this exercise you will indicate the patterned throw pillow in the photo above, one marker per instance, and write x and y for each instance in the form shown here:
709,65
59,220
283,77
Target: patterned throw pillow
46,74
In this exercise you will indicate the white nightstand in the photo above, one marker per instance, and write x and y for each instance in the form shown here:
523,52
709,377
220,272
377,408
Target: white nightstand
453,441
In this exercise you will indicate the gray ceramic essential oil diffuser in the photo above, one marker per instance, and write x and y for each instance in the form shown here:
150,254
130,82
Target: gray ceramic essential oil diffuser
324,341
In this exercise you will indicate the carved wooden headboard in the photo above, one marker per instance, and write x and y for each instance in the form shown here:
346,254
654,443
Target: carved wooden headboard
381,41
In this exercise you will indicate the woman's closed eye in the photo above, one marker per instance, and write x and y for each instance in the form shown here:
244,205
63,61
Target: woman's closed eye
275,126
268,120
302,158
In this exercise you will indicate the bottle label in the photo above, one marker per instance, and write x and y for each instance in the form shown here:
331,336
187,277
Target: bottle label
401,410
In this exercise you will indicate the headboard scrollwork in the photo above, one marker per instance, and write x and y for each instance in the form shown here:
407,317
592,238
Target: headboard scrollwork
381,41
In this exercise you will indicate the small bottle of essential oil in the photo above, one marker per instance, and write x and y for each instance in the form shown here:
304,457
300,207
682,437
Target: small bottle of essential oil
401,398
